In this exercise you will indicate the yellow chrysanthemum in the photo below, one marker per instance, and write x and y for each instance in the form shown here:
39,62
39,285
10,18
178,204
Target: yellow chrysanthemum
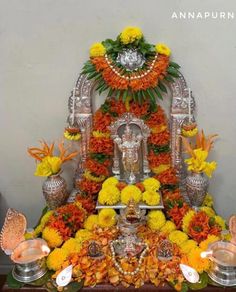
178,237
109,195
188,245
71,246
220,221
83,235
151,184
107,218
210,239
56,259
97,50
46,217
91,222
130,34
38,230
208,201
163,49
168,227
209,211
196,261
52,236
89,176
190,133
48,166
72,136
186,220
111,181
158,129
156,219
151,198
99,134
159,169
130,192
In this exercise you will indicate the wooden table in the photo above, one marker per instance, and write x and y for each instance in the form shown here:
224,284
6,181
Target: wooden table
109,288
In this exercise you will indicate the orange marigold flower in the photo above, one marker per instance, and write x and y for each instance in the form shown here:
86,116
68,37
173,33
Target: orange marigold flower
157,159
117,106
102,121
177,214
96,167
89,187
87,203
168,177
157,118
162,138
139,110
140,186
101,145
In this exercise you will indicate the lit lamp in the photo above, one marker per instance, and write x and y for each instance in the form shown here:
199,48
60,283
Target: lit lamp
28,255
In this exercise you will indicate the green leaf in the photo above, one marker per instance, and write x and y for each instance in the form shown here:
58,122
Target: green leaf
43,280
139,97
111,90
162,86
169,78
158,93
44,211
125,95
13,283
99,157
74,287
174,65
152,97
202,283
100,84
184,287
92,75
118,94
103,88
173,72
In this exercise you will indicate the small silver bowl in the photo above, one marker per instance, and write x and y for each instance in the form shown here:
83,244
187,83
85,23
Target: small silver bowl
223,267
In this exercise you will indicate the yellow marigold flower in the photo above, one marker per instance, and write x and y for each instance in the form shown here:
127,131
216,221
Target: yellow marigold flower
151,184
91,222
186,220
72,136
220,221
56,259
130,192
151,198
210,239
188,245
168,227
111,181
158,129
130,34
97,50
163,49
48,166
159,169
190,133
209,211
109,196
196,261
71,246
38,230
83,235
89,176
46,217
107,218
208,201
99,134
52,237
178,237
156,219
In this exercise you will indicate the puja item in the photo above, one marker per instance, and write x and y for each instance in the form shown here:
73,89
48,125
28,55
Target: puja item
223,257
165,250
190,274
94,250
64,277
28,255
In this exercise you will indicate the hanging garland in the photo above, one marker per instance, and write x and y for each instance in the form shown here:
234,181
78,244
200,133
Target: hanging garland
131,67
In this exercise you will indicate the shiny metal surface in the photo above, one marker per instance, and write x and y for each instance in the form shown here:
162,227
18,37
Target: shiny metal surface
131,59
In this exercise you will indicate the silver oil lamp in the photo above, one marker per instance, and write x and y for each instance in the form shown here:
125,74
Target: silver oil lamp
28,255
223,257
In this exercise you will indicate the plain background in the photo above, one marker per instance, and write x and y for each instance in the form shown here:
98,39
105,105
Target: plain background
43,44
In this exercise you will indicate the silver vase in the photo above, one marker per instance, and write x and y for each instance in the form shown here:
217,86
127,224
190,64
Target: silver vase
196,188
55,191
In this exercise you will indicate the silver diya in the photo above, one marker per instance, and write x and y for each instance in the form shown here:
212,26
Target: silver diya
28,255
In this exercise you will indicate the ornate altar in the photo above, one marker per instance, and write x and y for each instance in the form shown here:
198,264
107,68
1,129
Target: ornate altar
135,208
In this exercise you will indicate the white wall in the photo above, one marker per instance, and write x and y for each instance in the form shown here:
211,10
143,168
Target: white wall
43,44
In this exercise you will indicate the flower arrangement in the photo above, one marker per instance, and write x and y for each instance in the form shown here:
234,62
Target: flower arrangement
72,134
121,81
48,164
197,162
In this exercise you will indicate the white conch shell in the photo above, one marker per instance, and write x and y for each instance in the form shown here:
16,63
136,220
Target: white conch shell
64,277
12,231
189,273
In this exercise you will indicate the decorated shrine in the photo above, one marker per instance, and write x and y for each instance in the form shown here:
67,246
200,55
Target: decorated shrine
140,212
